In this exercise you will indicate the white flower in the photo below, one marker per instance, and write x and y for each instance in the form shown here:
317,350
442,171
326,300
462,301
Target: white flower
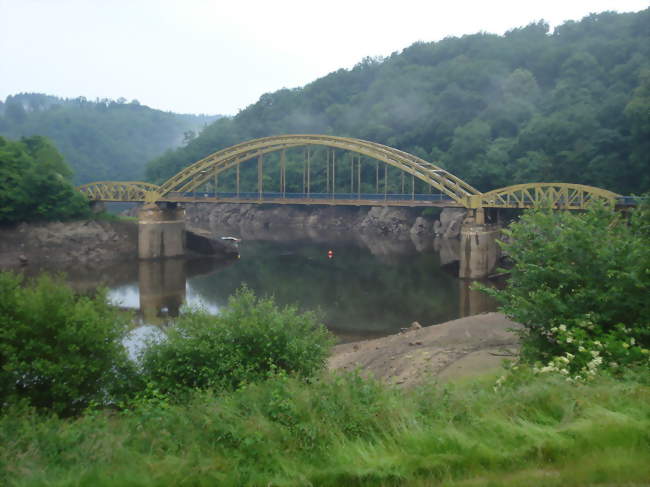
563,327
569,339
594,353
581,349
632,341
626,345
570,355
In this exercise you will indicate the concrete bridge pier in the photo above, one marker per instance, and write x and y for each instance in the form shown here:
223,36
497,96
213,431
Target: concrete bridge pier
161,231
479,251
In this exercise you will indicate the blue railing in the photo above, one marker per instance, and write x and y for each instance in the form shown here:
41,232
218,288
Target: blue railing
630,200
319,196
267,195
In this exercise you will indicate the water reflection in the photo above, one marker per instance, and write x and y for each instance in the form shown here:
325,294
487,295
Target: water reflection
161,288
367,289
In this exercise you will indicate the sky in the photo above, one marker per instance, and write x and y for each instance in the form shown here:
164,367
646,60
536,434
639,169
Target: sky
217,57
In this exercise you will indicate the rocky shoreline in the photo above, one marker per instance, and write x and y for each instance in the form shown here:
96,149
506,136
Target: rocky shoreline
67,244
96,243
394,222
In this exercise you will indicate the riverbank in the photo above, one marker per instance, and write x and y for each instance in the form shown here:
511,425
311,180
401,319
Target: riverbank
93,244
322,220
66,244
460,348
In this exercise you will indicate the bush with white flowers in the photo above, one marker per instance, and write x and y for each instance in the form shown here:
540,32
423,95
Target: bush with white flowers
580,285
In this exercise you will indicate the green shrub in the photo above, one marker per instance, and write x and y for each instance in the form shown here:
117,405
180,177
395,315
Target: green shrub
580,286
58,351
250,340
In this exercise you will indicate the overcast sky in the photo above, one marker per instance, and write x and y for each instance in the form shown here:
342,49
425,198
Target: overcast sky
212,56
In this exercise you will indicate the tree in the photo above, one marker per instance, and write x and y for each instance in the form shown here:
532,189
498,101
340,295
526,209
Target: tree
580,285
35,183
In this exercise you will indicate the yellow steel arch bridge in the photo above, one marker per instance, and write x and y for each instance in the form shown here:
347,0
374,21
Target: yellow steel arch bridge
199,181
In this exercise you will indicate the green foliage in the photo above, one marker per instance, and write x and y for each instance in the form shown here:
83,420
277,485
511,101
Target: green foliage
527,106
35,183
103,139
250,340
580,285
58,351
344,430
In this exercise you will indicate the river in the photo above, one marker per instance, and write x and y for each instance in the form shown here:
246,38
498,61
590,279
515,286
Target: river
361,291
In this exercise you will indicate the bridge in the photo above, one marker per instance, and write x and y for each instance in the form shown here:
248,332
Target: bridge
324,170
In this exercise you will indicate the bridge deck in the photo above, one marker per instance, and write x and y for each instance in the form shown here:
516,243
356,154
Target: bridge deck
340,199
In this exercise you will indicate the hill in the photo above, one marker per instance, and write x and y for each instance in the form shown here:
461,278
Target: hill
102,139
530,105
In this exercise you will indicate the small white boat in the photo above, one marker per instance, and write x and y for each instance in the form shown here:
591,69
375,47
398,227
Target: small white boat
234,240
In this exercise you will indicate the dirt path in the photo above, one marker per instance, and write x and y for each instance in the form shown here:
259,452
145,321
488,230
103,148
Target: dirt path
459,348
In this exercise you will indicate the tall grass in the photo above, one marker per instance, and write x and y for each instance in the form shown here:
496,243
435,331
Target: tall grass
344,430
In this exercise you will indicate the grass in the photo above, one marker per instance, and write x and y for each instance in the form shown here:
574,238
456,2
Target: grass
344,430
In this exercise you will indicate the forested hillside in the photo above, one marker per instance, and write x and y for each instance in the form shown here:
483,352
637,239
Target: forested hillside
101,139
572,105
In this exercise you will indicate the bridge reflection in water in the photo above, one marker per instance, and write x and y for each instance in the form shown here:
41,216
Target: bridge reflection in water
365,290
159,290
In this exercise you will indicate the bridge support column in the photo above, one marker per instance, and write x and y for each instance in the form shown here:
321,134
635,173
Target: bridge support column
161,231
479,252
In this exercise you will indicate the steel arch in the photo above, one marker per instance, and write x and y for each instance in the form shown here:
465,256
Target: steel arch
557,195
118,190
196,174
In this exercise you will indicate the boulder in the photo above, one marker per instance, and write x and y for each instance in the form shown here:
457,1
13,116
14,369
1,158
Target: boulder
451,219
203,243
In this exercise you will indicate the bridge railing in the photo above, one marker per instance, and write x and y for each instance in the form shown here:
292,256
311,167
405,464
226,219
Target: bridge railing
253,195
630,200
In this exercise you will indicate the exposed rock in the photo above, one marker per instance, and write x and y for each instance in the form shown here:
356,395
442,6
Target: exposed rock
422,227
64,244
414,326
451,219
201,242
388,220
251,219
468,346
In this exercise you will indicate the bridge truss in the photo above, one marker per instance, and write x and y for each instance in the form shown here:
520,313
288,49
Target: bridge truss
124,191
189,184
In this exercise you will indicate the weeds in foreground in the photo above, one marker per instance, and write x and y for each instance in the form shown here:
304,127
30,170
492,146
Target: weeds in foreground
345,430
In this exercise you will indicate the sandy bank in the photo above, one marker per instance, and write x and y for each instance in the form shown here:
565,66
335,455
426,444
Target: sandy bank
459,348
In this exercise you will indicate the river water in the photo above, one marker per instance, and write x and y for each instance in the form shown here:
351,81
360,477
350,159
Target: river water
363,289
